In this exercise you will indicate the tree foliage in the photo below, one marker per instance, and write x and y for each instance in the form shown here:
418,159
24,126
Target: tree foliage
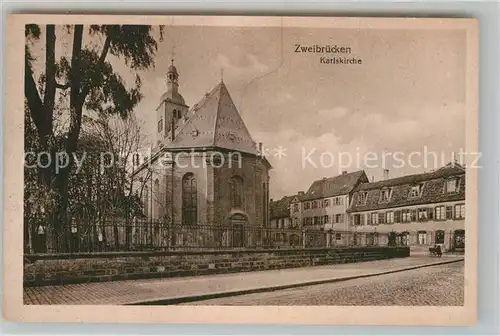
69,85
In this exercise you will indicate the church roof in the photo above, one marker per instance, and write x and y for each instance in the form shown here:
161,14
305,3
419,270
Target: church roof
214,122
174,97
172,68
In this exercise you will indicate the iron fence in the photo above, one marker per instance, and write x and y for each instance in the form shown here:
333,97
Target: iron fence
118,236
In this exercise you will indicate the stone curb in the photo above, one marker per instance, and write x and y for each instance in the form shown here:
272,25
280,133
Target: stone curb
216,295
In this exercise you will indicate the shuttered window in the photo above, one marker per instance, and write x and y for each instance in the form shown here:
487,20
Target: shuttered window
449,212
440,214
389,217
397,216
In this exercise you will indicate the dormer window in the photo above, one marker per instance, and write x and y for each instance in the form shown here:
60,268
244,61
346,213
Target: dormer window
415,191
452,185
362,198
385,195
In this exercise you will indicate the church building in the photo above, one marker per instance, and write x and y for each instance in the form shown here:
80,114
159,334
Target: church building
205,184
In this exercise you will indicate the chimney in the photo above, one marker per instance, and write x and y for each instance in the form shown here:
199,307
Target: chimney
270,199
344,172
301,193
373,179
386,174
260,149
324,178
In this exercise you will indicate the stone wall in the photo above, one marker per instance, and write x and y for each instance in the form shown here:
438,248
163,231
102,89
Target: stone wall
109,266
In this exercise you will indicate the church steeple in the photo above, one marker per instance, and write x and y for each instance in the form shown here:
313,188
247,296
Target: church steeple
172,110
172,93
172,78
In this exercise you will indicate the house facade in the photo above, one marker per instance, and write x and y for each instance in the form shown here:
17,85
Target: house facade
284,230
205,176
324,208
419,210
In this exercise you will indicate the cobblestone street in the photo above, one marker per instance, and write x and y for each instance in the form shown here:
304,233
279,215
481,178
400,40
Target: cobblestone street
410,275
441,285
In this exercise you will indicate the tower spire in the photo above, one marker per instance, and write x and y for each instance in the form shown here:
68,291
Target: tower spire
222,75
172,74
173,54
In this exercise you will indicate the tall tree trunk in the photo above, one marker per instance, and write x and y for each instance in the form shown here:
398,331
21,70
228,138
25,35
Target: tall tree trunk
42,115
62,178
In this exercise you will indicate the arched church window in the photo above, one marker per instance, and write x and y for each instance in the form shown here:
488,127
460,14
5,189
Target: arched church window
189,199
236,191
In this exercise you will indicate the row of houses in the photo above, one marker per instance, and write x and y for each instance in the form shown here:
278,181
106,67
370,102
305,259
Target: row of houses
419,210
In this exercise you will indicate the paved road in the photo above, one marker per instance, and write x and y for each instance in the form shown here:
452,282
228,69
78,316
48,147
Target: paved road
157,290
441,285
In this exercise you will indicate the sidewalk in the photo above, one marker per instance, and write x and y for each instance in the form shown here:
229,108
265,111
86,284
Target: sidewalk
176,290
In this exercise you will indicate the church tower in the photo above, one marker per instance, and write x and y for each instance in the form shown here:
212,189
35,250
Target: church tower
172,111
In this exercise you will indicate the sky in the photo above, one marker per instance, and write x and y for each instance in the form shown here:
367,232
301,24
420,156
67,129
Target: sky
408,93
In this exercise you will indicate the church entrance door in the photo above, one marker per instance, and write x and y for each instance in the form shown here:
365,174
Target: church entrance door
238,224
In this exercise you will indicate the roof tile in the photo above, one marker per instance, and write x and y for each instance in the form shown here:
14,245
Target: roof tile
215,122
280,208
334,186
433,186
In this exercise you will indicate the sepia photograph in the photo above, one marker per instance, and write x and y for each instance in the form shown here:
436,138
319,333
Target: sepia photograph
254,162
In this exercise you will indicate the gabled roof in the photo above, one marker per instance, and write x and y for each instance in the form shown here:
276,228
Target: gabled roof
445,171
280,208
334,186
433,187
214,122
